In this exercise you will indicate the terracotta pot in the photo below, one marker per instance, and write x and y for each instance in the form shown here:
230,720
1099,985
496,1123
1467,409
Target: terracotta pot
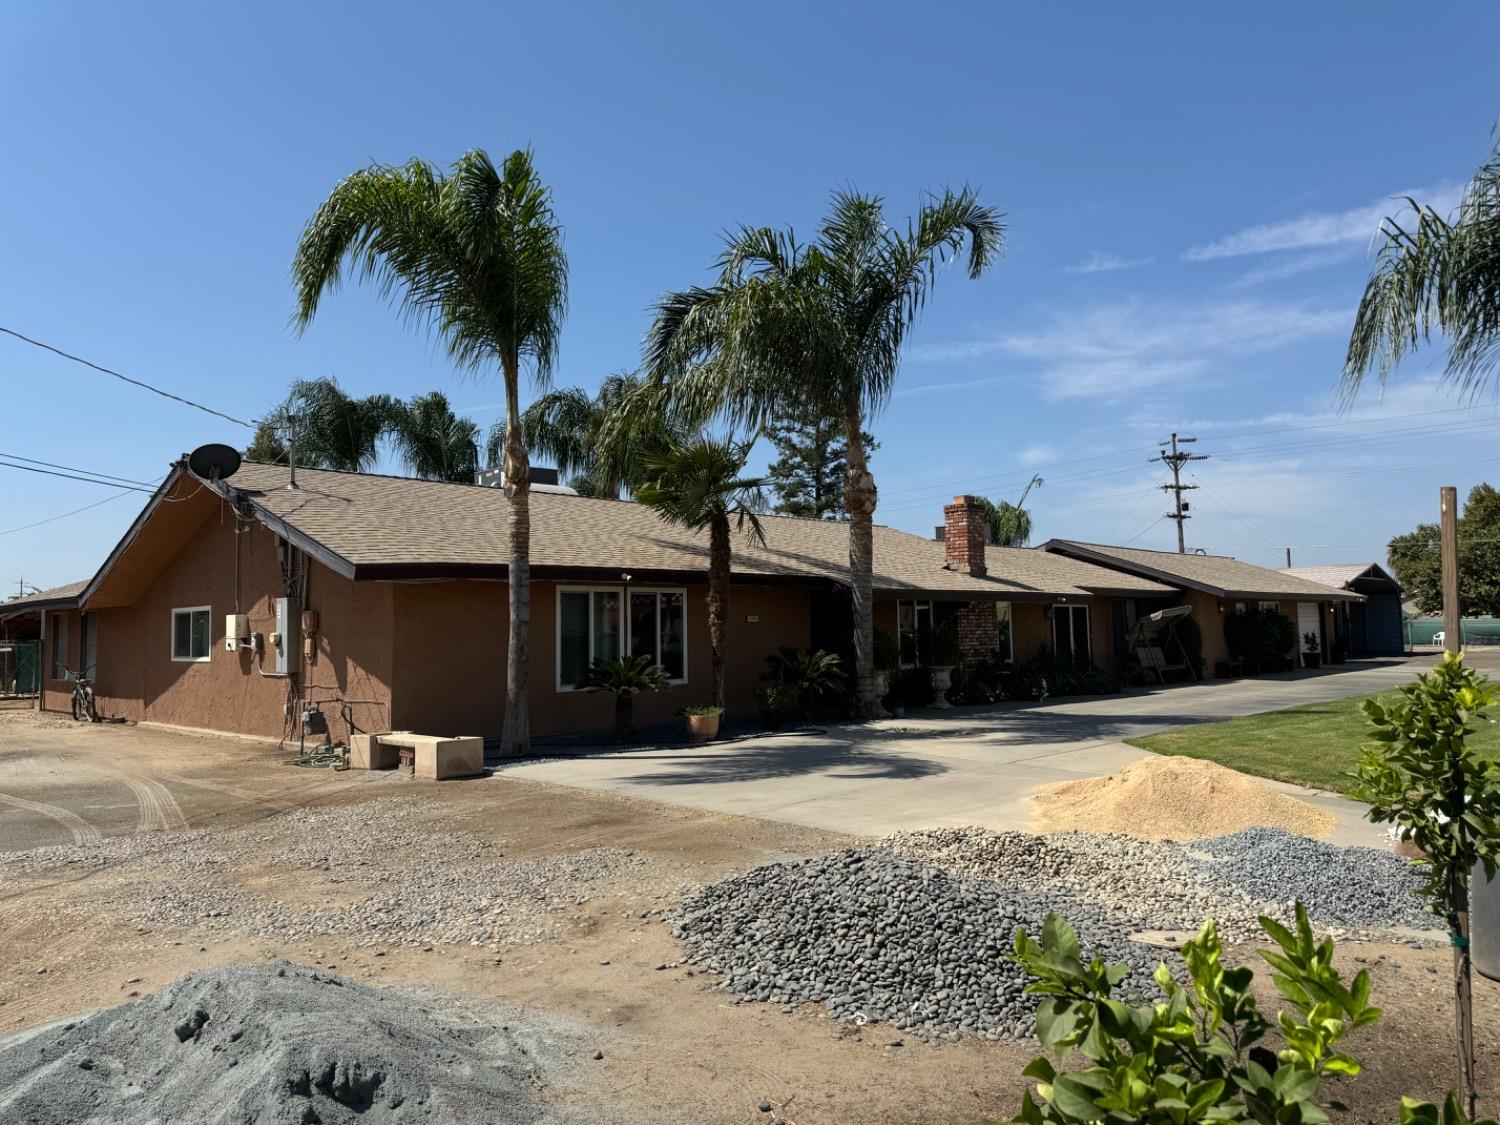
942,680
701,728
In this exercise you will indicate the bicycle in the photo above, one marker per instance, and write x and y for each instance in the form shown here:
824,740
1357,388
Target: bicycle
83,697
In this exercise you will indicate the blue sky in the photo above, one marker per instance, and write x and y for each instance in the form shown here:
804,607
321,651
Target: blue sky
1190,191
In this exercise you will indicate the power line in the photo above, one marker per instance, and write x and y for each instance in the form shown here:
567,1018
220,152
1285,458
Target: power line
128,379
65,515
72,469
74,476
1175,461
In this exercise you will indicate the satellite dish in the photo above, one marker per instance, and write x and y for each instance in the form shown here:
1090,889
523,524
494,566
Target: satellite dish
214,462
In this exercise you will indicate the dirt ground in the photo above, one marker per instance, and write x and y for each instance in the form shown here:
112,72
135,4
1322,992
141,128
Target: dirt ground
674,1049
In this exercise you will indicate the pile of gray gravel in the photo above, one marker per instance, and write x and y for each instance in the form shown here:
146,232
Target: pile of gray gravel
378,873
877,937
276,1045
917,932
1356,889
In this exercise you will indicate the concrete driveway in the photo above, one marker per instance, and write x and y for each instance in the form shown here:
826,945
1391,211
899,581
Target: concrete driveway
963,766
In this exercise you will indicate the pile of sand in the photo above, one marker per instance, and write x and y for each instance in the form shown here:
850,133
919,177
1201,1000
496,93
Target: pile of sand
1166,798
278,1045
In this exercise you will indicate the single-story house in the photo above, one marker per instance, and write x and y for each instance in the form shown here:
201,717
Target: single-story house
233,604
1215,585
1376,625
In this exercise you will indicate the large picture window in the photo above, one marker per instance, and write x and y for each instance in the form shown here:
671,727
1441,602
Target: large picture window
601,623
190,633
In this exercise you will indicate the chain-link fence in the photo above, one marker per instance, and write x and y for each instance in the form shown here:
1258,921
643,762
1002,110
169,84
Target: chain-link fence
20,669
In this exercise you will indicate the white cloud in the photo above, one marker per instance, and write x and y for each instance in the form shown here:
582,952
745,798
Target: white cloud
1100,262
1112,351
1291,267
1039,454
1321,229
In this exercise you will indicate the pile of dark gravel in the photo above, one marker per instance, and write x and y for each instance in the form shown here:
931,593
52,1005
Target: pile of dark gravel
276,1045
880,938
1354,889
917,932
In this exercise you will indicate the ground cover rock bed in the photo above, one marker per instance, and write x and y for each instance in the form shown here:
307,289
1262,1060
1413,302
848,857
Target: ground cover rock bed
278,1045
915,932
378,873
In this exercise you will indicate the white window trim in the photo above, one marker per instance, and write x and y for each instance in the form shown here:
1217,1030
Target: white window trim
931,625
624,592
172,634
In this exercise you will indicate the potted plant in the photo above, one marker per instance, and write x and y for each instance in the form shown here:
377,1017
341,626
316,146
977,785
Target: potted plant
1311,654
703,722
775,701
887,662
945,657
627,678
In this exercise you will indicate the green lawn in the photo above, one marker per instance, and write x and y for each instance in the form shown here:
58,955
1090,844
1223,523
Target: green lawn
1316,745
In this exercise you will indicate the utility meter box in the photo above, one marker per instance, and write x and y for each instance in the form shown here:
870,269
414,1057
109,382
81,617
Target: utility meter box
236,630
284,639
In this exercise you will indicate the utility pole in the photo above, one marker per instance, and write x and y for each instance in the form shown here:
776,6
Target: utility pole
1175,460
1448,526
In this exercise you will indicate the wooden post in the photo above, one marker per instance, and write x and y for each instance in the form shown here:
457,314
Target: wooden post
1448,511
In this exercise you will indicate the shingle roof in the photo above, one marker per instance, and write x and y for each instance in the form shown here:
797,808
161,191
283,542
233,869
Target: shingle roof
1216,574
57,595
389,526
1338,575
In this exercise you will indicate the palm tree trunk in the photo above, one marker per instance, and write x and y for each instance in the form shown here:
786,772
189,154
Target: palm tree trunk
859,500
718,602
515,735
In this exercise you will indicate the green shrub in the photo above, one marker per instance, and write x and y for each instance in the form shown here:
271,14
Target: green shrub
1044,674
627,678
811,675
946,651
887,654
1197,1055
912,688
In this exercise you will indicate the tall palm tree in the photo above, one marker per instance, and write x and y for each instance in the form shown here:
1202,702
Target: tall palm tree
817,330
1435,274
602,448
326,427
1010,524
478,255
433,442
698,486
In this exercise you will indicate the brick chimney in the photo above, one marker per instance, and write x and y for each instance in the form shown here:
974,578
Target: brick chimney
965,533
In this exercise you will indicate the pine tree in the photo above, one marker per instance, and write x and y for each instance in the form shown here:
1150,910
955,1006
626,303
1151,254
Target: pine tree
808,473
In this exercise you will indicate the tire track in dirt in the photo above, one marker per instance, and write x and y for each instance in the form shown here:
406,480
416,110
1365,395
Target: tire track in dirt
83,832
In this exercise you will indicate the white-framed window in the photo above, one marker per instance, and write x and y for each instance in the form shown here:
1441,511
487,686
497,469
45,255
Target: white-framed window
605,622
1270,607
191,635
59,642
1004,628
1070,634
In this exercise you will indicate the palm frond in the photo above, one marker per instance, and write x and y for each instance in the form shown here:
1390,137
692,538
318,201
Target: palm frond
1434,276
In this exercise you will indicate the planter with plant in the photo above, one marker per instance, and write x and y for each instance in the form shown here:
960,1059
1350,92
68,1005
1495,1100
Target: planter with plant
946,654
1312,653
626,678
703,722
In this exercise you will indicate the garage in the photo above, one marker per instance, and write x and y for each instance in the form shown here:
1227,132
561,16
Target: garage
1374,625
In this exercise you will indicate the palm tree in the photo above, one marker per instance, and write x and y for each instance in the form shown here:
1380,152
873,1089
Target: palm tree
325,427
698,485
626,678
1433,274
478,255
599,446
817,330
433,442
1010,524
